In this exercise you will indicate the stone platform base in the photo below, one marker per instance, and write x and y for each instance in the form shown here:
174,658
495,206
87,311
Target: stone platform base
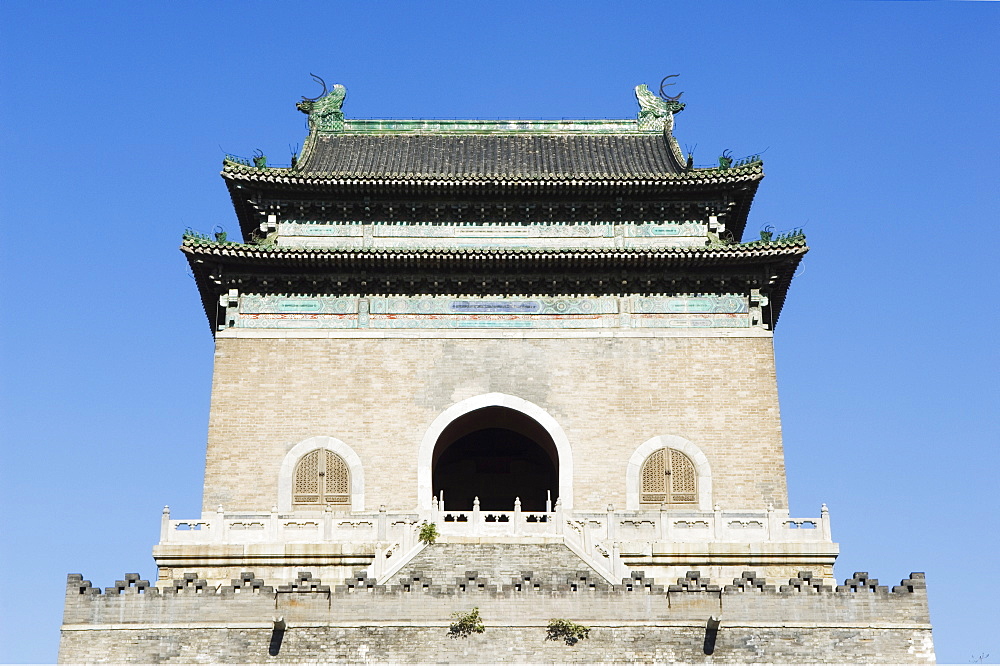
509,644
692,620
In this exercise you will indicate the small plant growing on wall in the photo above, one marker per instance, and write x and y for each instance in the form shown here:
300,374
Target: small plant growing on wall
466,624
428,533
570,633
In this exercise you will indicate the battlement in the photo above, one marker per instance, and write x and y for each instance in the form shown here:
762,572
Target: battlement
250,618
81,593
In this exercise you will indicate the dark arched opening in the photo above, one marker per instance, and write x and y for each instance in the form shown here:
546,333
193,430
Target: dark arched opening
495,454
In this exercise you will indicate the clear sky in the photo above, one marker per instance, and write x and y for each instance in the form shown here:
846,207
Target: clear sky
878,122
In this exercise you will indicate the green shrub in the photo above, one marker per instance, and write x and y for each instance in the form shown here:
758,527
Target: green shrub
428,533
570,633
466,624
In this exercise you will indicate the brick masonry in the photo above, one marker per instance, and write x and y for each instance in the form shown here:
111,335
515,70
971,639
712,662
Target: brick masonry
609,395
448,562
803,621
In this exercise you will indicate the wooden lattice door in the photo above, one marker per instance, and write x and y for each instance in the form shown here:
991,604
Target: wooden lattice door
321,478
668,477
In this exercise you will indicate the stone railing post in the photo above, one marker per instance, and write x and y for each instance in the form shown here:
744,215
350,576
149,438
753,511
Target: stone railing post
273,528
548,501
477,517
517,516
611,522
220,525
664,524
618,569
165,525
379,562
326,527
824,519
773,533
720,523
557,516
383,519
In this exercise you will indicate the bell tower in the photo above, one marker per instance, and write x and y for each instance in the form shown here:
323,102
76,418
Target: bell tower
519,365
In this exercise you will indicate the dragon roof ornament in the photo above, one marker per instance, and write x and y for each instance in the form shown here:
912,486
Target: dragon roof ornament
325,114
657,112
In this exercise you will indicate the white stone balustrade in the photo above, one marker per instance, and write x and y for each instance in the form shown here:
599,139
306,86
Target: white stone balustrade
314,527
667,525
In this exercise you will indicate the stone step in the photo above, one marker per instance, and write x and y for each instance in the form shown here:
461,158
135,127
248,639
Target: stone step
497,563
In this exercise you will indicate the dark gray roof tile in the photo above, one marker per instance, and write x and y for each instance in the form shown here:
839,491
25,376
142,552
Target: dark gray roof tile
491,156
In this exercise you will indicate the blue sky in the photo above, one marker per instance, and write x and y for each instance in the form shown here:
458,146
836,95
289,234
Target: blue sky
879,123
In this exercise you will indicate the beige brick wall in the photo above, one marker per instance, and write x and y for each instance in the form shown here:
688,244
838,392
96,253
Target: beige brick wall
379,396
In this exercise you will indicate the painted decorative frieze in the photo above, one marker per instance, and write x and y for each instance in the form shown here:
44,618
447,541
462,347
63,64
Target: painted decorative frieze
361,235
494,306
691,305
691,321
257,311
457,230
450,312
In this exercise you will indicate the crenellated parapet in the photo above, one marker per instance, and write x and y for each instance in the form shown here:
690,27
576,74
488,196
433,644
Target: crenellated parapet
859,585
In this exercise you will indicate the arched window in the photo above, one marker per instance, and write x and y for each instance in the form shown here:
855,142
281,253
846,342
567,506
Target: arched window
321,477
668,477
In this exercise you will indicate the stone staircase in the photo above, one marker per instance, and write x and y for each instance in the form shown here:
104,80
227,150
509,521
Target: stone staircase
495,563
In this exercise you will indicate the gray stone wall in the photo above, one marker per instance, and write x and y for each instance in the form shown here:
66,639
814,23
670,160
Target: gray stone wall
380,395
803,621
516,644
500,563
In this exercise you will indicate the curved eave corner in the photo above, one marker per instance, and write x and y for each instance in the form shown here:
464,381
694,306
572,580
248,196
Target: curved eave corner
780,258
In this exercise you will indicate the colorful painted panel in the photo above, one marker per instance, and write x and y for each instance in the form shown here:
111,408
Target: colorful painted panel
691,305
257,311
691,321
267,320
491,321
448,312
656,230
492,230
460,230
251,303
299,229
535,306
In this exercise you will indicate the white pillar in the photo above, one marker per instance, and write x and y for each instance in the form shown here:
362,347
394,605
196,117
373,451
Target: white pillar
220,525
664,523
382,523
326,526
378,562
272,526
165,525
824,519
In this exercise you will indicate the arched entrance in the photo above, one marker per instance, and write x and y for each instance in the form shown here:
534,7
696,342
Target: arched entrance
496,454
435,432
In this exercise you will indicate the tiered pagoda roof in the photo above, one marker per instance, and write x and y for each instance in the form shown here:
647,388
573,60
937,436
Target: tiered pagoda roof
593,159
617,172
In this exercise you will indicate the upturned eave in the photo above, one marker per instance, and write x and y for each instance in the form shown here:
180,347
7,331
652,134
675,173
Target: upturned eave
212,261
